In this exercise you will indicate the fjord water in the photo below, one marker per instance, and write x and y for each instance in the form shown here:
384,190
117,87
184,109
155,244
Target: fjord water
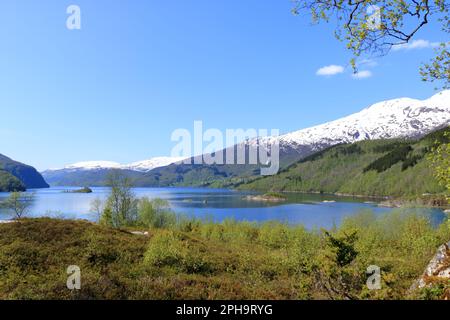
311,210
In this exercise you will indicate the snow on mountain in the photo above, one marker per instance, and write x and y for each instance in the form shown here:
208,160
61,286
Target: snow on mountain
396,118
142,166
92,165
152,163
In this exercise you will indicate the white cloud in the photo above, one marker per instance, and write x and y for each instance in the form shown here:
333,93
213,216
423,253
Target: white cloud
416,44
330,70
362,74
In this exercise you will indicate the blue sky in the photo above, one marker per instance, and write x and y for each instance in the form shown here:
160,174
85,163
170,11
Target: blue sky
137,70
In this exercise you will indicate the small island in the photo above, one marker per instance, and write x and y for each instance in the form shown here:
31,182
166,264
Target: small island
269,197
82,190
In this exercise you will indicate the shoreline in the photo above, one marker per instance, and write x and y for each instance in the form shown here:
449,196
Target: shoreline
382,201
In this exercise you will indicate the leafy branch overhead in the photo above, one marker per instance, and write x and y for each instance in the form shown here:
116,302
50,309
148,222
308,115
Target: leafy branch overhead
441,162
374,27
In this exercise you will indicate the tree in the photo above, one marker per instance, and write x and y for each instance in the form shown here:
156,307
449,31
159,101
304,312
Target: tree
373,28
155,213
19,203
440,158
336,274
121,205
97,208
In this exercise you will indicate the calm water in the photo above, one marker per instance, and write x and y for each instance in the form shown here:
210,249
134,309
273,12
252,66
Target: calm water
310,210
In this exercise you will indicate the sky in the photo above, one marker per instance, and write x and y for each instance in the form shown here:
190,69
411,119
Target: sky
136,71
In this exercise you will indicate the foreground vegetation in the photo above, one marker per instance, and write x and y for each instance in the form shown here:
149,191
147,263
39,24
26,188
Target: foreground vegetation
189,259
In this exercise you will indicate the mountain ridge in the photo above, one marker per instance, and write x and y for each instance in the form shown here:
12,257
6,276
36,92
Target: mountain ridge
401,117
390,119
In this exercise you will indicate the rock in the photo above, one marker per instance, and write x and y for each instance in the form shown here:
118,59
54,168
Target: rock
140,233
438,268
264,198
390,204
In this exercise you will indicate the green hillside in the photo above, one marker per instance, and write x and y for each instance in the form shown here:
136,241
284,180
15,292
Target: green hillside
25,174
374,168
10,183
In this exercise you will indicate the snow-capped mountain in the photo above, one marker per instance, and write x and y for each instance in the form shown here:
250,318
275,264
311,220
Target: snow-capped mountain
90,165
398,118
152,163
95,173
141,166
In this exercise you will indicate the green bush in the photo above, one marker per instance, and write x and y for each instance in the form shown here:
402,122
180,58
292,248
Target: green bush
275,235
155,213
172,249
165,249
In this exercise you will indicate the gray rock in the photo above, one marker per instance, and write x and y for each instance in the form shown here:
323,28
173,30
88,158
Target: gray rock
140,233
438,267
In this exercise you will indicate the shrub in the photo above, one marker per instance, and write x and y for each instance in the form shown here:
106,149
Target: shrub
155,213
179,253
98,252
275,235
165,249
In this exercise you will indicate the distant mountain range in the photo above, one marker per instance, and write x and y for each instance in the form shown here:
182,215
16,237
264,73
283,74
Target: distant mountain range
94,173
16,176
141,166
392,119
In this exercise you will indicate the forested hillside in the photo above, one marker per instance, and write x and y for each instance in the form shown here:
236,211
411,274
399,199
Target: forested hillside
25,175
10,183
375,168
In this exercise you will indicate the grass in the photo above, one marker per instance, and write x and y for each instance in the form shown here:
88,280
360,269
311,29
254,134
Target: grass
205,260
